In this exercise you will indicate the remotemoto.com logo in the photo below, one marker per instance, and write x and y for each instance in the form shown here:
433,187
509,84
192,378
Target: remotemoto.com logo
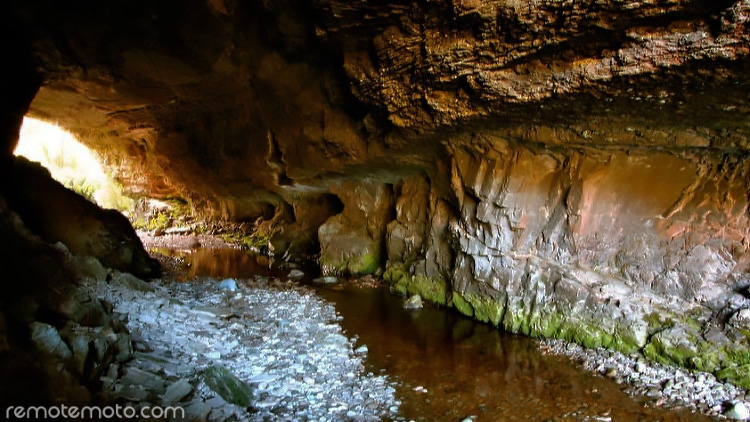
93,412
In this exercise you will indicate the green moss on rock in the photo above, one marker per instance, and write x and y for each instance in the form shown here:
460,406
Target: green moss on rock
228,386
354,261
486,309
661,336
434,290
431,289
364,264
734,365
461,305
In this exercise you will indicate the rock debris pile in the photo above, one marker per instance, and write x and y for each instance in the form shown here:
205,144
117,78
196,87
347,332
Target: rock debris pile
665,385
257,351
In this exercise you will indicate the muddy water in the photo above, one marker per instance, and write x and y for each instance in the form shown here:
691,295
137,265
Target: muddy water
450,367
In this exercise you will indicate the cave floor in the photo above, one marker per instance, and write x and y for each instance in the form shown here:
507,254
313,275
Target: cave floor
347,351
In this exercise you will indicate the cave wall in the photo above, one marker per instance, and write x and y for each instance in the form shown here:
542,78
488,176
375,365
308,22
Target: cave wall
569,169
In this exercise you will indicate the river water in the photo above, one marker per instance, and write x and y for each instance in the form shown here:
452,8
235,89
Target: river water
449,367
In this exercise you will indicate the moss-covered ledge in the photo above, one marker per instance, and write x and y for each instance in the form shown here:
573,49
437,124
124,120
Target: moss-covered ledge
667,339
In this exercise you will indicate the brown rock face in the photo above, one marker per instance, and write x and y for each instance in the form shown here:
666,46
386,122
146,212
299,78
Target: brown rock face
57,214
569,169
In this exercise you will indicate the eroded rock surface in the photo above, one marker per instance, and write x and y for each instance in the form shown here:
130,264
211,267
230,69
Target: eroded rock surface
56,339
568,169
57,214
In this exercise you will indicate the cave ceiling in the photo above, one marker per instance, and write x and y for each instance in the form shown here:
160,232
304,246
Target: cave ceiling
234,103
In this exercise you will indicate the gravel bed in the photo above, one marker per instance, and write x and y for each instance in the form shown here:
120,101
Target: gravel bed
662,385
279,339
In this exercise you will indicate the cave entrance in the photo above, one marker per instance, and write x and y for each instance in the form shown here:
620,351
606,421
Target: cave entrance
70,163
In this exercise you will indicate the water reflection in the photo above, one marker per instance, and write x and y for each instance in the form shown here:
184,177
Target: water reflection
466,367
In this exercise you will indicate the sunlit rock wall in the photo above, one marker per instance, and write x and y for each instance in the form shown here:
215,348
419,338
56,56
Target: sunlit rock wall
626,249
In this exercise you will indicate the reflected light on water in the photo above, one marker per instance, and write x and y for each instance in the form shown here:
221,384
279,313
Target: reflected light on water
467,368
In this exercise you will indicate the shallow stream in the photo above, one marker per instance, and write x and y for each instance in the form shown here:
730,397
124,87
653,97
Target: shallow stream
449,367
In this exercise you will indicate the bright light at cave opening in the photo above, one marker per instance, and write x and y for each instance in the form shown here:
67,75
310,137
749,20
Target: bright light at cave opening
70,163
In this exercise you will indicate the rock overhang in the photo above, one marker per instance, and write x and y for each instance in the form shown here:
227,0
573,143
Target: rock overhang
523,148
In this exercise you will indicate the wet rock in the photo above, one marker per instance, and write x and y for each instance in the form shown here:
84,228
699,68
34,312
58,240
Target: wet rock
229,284
215,402
350,242
611,373
228,386
361,350
326,280
414,302
80,307
48,341
177,391
666,385
738,411
296,274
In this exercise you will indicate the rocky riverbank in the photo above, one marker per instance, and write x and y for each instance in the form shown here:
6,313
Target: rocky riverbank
250,350
662,385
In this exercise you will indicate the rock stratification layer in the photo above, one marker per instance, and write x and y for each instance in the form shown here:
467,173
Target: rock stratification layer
567,169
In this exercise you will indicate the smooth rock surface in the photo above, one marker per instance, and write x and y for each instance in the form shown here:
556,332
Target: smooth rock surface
177,391
414,302
48,341
738,411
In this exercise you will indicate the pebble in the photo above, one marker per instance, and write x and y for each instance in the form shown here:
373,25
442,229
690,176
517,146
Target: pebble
361,350
326,280
414,302
280,340
666,385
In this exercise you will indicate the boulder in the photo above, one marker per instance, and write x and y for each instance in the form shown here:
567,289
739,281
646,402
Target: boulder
228,386
48,342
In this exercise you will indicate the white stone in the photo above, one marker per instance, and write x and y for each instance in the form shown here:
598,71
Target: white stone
738,411
228,284
177,391
414,302
361,350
